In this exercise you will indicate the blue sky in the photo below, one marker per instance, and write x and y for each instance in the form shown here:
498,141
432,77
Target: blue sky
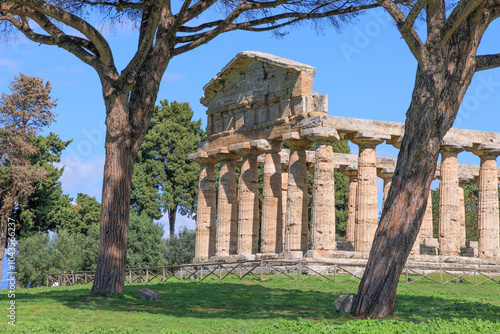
366,69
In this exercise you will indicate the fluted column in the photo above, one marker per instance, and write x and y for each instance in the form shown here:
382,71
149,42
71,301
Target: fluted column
271,230
206,210
248,199
323,198
284,154
227,210
367,208
351,204
296,221
386,175
488,221
426,229
449,202
463,179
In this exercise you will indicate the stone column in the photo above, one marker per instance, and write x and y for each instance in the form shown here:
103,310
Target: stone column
367,208
386,175
206,211
449,202
426,229
351,204
463,179
272,215
284,154
227,210
248,200
323,198
296,220
488,221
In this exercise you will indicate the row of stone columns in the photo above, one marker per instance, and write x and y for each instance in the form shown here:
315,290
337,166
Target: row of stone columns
284,222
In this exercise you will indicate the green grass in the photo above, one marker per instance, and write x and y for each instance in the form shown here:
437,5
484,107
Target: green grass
280,305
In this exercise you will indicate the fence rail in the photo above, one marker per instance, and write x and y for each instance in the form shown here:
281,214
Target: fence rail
294,269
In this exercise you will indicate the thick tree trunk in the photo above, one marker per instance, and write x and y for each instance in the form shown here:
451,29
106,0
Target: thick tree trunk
3,239
171,220
439,90
118,170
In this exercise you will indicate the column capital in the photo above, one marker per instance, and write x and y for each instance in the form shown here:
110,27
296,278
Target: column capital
266,146
223,153
244,148
451,147
487,150
368,139
321,134
350,171
202,158
295,141
386,172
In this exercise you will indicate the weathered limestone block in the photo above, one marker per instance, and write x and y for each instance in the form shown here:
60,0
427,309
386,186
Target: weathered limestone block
449,202
272,215
148,294
248,199
367,208
296,229
343,304
488,221
323,201
206,214
227,210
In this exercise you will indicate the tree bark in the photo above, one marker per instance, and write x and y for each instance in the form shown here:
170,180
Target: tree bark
171,220
3,239
439,89
118,170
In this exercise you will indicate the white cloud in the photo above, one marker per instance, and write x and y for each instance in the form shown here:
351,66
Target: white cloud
82,175
172,77
11,66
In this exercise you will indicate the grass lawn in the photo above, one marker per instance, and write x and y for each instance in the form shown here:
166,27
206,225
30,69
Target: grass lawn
279,305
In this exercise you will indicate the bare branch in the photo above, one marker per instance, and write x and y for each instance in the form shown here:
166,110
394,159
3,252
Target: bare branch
119,5
410,35
196,10
463,9
486,62
200,27
412,16
75,22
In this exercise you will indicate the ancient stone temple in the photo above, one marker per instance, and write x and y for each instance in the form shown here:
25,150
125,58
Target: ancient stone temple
262,110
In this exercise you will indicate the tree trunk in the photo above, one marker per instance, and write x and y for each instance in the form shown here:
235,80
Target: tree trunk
438,92
171,220
118,170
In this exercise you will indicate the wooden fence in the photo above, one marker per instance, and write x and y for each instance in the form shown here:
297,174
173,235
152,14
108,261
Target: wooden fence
441,273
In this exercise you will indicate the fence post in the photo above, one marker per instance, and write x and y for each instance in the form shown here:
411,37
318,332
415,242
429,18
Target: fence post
130,276
220,272
335,273
201,273
475,269
181,273
261,269
163,278
300,270
147,275
407,274
440,274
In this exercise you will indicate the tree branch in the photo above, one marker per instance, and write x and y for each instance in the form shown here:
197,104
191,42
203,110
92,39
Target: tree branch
75,22
463,9
196,10
119,5
409,34
486,62
412,16
202,38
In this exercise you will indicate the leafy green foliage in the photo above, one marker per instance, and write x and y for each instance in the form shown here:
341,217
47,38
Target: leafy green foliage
164,179
179,249
145,244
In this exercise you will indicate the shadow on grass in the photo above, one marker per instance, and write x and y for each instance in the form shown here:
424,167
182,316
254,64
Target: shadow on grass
227,300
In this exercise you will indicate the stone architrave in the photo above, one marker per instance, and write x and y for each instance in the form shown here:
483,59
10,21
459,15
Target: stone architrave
449,201
463,179
227,211
351,203
323,198
248,199
206,213
366,198
272,215
296,220
488,221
